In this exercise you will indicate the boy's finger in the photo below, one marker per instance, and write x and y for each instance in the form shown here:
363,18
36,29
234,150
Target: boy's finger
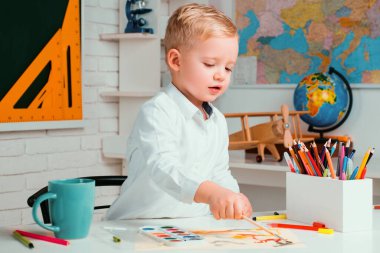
222,212
247,210
238,210
216,215
230,211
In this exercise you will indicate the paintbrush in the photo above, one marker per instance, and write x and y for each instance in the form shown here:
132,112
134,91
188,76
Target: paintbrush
282,241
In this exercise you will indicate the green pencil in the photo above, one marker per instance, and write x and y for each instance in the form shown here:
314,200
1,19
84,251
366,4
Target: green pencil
23,240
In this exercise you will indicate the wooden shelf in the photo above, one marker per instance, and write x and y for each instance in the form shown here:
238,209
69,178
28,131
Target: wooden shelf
241,160
142,94
127,36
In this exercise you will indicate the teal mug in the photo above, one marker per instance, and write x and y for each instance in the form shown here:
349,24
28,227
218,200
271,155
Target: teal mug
71,206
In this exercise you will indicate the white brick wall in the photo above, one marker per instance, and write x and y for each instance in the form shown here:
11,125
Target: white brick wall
29,159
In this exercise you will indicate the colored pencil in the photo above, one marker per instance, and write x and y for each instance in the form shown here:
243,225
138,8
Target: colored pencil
44,238
313,164
295,167
23,240
289,162
354,173
347,148
333,148
345,164
322,155
370,155
304,162
296,161
362,165
363,173
331,167
315,150
293,226
340,160
352,154
350,166
321,166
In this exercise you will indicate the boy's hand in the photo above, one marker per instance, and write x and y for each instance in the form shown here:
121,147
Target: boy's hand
224,203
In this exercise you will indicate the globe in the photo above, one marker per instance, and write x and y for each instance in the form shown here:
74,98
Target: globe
327,96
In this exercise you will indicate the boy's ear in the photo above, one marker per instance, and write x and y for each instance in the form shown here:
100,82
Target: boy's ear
173,59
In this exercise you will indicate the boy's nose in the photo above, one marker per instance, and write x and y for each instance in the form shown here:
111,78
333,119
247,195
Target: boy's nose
219,76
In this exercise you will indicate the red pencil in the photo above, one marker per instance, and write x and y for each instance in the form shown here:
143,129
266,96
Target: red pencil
44,238
314,165
293,226
363,173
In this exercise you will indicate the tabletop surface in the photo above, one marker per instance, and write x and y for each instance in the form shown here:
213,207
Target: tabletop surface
100,239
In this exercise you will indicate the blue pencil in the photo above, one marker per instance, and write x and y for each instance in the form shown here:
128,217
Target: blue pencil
352,154
353,175
345,164
333,148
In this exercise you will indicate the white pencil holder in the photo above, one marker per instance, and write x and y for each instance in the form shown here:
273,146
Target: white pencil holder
343,205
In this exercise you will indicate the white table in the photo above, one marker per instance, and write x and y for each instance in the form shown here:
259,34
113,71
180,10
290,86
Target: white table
100,240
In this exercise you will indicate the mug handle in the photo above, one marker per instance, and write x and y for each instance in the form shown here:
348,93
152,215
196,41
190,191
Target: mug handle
36,204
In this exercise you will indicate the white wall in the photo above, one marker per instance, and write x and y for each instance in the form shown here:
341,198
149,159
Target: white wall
28,159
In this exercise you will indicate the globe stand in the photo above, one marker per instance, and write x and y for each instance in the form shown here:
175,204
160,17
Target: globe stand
321,140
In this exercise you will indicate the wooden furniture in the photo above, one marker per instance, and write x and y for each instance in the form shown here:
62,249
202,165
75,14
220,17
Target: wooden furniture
266,135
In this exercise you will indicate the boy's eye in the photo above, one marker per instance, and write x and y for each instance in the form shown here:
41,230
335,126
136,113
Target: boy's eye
209,64
229,69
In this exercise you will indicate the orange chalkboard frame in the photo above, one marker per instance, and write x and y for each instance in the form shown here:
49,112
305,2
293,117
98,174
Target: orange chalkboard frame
47,91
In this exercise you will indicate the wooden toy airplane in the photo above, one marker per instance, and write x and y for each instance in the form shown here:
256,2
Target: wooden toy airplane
266,135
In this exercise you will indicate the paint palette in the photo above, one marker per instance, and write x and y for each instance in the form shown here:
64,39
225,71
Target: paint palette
171,235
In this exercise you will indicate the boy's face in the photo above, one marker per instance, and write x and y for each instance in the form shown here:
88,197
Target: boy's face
204,71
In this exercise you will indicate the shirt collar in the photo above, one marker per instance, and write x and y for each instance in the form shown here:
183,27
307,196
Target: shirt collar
187,108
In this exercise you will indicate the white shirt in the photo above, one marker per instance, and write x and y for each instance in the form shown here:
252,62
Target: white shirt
171,151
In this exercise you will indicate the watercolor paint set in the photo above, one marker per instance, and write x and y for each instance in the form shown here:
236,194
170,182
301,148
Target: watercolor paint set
171,235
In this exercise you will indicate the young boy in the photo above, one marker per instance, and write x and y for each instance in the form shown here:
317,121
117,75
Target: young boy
178,149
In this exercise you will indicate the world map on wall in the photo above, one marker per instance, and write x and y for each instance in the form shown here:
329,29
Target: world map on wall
294,38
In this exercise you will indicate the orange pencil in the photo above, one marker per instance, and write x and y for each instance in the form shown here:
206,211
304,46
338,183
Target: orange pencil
315,150
305,163
329,162
310,165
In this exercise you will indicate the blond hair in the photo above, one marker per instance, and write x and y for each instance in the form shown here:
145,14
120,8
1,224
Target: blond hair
196,21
